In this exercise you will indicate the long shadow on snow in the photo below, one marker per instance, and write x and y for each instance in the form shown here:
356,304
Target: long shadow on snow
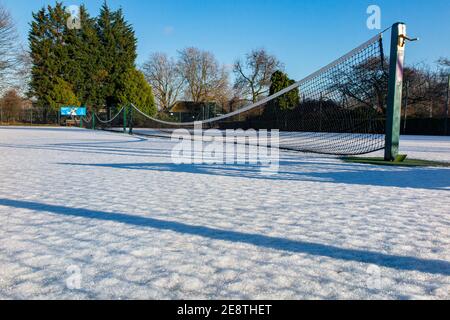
383,260
417,178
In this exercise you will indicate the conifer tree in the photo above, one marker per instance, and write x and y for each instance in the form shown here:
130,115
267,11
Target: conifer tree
277,111
280,81
93,65
84,54
118,46
136,90
49,54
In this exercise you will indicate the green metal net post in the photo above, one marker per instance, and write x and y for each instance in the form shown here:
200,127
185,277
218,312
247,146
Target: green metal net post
81,122
131,121
395,87
93,121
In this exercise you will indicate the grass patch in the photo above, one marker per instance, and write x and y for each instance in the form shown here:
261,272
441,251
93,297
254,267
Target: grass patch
405,163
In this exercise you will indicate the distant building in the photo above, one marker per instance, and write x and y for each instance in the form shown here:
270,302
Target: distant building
188,111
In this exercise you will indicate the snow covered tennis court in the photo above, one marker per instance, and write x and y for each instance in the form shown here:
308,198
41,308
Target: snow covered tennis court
101,215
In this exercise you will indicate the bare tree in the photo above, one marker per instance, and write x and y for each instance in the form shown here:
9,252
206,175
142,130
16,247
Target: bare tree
444,62
363,85
8,48
253,75
163,75
425,90
206,80
11,105
22,72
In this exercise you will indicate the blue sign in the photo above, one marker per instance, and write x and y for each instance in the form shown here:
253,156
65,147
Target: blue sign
73,111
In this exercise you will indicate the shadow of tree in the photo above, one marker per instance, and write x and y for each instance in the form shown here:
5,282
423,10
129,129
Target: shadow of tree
383,260
417,178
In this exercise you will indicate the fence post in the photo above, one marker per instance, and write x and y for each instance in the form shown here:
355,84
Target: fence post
395,87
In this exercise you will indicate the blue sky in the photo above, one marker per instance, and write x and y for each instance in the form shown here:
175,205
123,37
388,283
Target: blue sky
305,35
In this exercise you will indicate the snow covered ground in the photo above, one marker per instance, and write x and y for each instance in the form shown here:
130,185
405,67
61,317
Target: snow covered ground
95,215
424,147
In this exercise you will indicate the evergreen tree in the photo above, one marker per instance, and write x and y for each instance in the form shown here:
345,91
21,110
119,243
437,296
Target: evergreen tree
40,54
93,65
118,46
276,113
136,90
49,53
288,101
83,53
62,94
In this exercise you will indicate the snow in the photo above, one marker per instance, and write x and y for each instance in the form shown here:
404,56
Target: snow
96,215
425,148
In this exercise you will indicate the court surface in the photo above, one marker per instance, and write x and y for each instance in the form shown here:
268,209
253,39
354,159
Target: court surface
99,215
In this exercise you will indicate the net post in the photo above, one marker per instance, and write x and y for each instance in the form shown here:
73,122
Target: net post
130,131
93,121
125,119
395,87
81,122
